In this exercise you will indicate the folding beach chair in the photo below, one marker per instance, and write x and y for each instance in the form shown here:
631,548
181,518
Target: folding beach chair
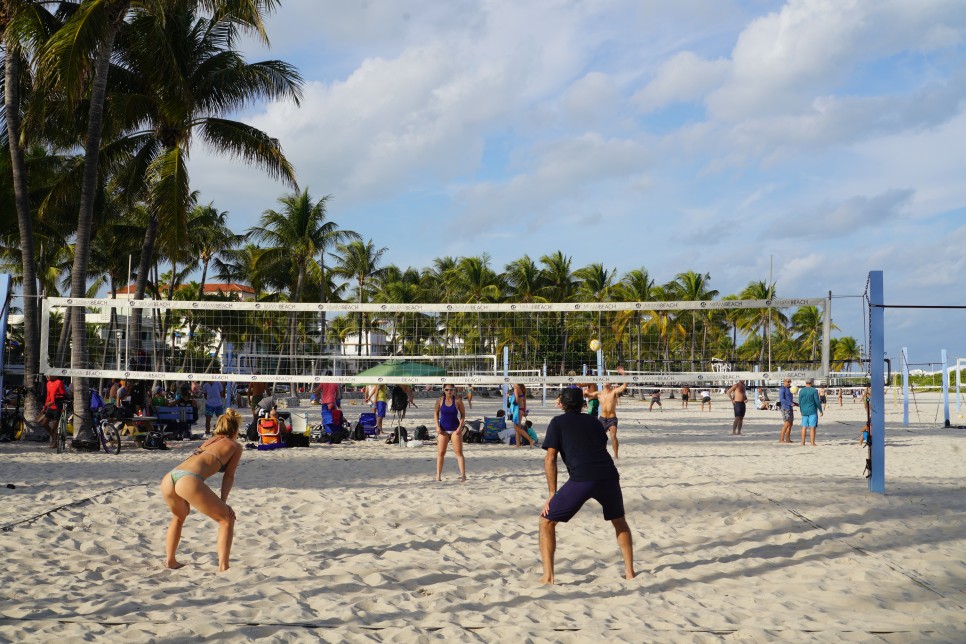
492,428
369,426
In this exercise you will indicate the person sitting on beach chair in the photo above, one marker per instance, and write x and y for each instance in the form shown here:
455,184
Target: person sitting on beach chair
763,402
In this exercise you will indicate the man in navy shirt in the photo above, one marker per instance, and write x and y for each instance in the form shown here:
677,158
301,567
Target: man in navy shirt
582,443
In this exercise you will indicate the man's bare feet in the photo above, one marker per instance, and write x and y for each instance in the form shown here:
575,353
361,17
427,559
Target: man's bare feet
546,580
462,479
173,565
437,479
629,575
223,568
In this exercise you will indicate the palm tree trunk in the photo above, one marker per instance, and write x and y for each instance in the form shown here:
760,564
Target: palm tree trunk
293,325
211,363
141,283
28,260
110,333
65,331
361,323
85,217
323,298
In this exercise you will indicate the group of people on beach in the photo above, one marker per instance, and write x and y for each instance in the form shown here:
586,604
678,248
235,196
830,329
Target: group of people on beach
579,439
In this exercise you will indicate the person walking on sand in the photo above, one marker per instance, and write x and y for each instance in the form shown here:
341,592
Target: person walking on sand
811,405
582,444
184,488
450,417
685,395
214,402
518,413
469,395
739,398
608,397
378,397
786,402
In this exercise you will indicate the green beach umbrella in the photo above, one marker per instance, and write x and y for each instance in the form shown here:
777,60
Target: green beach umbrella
398,368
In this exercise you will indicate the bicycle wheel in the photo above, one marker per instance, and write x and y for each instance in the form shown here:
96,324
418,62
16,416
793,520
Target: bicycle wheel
110,438
62,434
18,430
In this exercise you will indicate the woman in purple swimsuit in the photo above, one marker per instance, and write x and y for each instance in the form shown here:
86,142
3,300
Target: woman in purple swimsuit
450,417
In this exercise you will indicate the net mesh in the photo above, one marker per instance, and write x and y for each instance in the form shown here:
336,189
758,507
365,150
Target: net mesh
546,343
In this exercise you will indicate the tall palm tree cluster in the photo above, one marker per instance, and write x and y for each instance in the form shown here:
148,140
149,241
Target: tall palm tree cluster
103,100
652,340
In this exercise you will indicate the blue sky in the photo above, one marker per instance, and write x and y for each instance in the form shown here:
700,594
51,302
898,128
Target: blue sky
827,136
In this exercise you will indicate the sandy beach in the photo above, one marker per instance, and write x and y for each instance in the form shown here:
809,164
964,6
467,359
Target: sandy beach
734,538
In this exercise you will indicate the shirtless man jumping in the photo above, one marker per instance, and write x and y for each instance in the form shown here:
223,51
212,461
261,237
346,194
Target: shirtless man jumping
739,397
608,397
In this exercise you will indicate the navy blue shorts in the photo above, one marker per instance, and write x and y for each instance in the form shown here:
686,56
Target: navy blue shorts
572,496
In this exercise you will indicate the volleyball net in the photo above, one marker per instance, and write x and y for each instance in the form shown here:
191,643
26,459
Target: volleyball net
662,343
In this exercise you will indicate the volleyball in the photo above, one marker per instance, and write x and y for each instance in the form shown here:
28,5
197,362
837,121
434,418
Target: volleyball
794,390
595,345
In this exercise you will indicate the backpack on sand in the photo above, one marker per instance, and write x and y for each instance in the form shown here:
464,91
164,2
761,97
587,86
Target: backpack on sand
155,440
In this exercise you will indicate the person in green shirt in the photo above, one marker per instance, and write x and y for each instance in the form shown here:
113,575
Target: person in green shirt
810,405
593,405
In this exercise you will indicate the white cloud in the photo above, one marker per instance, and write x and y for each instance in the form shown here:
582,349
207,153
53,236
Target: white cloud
684,77
810,47
562,177
843,218
592,99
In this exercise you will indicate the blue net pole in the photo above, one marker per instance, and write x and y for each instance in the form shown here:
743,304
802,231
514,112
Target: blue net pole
877,373
905,386
945,387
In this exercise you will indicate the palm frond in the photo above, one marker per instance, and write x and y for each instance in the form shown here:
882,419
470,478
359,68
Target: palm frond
249,144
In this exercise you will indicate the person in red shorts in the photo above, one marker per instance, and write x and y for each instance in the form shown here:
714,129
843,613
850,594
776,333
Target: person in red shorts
582,443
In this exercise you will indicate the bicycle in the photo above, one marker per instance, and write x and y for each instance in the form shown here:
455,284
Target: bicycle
66,409
107,433
11,417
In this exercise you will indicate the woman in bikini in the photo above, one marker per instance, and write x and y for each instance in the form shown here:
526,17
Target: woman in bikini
184,487
518,415
450,417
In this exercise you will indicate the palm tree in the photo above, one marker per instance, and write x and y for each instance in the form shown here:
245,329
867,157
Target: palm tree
847,351
660,321
183,73
440,283
596,285
21,22
360,262
692,287
809,322
478,283
294,235
635,286
240,266
560,285
210,237
401,287
761,321
524,282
